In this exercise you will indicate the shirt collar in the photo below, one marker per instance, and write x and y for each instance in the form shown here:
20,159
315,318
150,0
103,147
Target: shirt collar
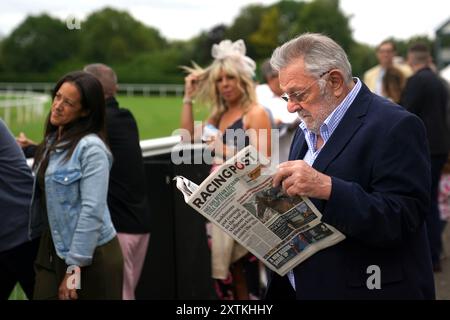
335,117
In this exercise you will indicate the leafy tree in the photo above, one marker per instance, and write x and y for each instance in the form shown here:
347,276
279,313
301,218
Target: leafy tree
289,17
362,57
277,25
156,67
42,48
265,39
245,24
112,36
200,49
325,16
38,43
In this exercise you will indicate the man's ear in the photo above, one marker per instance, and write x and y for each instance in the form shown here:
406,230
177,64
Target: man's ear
336,79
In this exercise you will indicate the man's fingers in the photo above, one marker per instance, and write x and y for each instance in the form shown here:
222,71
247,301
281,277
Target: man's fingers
287,164
290,187
292,190
285,169
281,174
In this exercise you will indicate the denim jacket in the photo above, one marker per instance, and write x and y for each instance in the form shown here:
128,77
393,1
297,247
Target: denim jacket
76,196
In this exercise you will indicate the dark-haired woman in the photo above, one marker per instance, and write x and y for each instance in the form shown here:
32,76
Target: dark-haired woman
79,256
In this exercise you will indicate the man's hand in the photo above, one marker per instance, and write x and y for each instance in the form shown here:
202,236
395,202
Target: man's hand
299,178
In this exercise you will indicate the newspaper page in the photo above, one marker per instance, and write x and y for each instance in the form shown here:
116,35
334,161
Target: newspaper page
279,230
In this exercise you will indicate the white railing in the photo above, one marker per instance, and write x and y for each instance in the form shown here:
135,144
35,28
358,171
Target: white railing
28,105
22,86
159,146
130,89
166,145
161,90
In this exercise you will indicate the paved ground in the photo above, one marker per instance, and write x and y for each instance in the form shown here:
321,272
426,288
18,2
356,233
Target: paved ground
442,279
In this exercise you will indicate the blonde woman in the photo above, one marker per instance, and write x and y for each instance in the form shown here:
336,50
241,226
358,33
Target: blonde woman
236,120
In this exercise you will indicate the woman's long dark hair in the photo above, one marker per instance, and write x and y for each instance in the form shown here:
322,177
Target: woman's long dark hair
92,101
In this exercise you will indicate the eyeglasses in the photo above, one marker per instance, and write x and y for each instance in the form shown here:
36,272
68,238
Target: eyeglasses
299,96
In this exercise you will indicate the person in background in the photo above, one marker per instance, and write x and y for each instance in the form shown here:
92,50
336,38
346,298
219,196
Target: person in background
386,53
17,250
444,184
363,161
79,255
227,86
444,198
426,96
127,192
269,96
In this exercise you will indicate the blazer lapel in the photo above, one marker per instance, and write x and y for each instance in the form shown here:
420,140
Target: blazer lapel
349,125
298,146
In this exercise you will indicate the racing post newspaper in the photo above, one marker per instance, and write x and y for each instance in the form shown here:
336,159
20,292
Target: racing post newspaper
279,230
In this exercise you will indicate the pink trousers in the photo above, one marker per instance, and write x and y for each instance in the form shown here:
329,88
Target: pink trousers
134,250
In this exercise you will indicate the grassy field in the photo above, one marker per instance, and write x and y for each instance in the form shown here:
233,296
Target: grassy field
156,117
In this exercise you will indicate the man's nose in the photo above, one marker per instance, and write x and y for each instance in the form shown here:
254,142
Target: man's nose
293,106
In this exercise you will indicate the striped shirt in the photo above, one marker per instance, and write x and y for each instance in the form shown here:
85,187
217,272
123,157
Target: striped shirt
326,130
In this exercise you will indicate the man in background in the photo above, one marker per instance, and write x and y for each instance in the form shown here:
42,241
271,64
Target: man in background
426,96
386,54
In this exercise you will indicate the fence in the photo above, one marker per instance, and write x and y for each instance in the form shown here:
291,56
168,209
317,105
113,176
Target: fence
129,89
23,106
23,102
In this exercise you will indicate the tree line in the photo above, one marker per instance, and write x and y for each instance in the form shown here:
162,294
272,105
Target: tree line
42,48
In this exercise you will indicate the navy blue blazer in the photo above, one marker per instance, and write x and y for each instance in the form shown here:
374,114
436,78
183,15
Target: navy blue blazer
378,161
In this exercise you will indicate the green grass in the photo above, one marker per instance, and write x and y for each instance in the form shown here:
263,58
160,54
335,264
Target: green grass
17,293
156,117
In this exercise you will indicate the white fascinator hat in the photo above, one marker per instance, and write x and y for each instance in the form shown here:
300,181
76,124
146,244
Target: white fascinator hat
235,50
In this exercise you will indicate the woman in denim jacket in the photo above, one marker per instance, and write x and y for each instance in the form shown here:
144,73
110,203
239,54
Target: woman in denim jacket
79,256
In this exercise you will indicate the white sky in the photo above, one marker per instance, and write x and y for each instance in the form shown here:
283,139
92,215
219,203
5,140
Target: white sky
372,20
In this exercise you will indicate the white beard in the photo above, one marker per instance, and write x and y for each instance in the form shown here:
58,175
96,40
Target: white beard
326,107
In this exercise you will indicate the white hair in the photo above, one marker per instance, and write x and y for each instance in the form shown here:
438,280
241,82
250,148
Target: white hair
319,52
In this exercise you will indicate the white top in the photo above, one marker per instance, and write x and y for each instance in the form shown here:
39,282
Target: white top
276,105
